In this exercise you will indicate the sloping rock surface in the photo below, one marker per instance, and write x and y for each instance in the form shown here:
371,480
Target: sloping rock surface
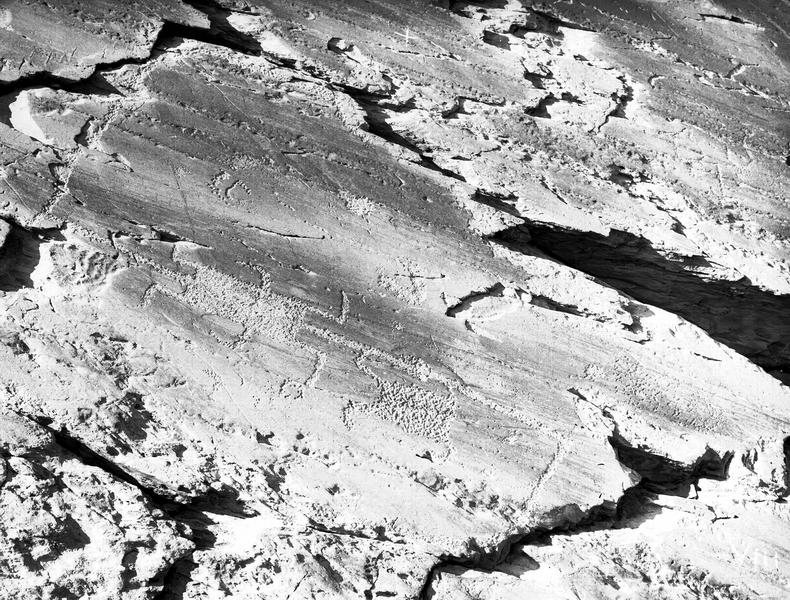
405,299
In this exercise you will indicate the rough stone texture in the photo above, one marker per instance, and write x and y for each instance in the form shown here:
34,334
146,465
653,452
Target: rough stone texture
68,39
419,299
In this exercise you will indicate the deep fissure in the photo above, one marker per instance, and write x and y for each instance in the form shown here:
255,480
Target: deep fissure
219,33
20,253
659,475
739,314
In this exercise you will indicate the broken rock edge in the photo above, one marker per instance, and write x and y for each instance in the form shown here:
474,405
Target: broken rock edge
609,514
486,561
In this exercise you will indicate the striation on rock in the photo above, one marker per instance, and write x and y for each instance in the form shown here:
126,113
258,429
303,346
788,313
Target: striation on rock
410,300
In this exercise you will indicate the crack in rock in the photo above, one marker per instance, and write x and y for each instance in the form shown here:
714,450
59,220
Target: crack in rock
738,314
20,253
219,33
658,474
728,18
376,120
194,513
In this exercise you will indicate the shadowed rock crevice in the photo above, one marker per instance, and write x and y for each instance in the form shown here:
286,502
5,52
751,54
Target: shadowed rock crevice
497,290
662,475
730,18
498,201
176,578
94,84
193,514
20,254
219,33
222,502
377,124
659,475
572,519
752,321
532,19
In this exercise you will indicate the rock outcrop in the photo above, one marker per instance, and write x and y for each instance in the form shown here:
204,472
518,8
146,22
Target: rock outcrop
405,299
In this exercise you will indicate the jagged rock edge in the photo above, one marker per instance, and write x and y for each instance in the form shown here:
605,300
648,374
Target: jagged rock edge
167,31
192,514
606,515
45,79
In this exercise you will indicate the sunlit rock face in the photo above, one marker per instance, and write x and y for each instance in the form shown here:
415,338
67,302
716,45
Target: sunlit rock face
412,299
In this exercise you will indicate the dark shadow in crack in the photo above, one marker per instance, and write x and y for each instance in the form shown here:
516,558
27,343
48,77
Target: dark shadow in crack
658,474
95,84
220,32
748,319
192,523
176,579
662,475
378,125
20,255
193,515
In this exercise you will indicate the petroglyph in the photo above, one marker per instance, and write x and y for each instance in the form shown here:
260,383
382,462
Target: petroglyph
416,410
229,190
265,314
359,205
254,307
387,300
406,280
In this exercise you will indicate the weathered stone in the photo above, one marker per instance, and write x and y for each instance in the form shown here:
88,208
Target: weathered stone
319,299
